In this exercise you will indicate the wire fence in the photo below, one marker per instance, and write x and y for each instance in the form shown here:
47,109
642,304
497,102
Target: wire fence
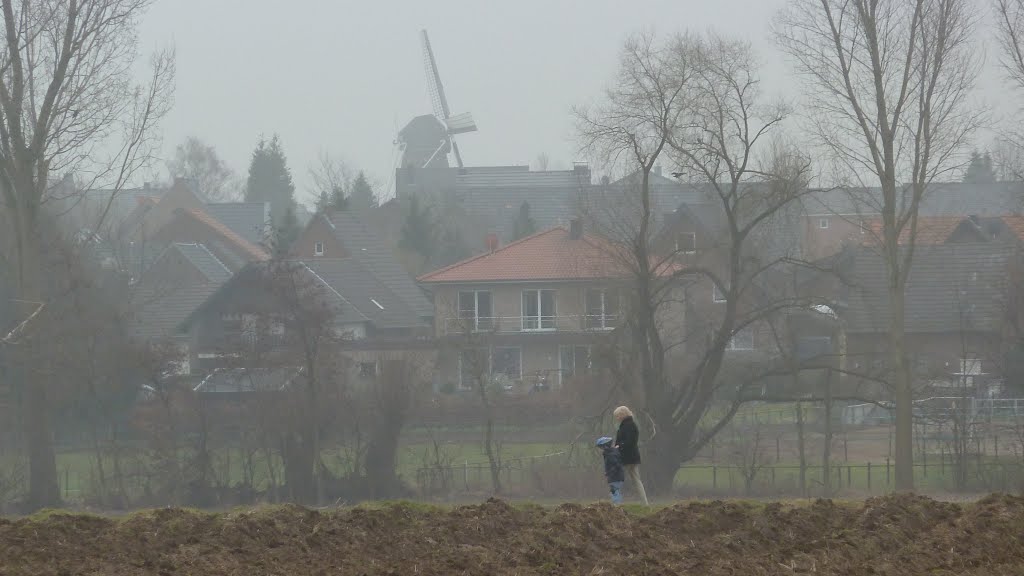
550,476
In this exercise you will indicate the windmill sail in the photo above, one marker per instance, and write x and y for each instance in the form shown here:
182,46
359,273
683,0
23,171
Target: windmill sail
453,124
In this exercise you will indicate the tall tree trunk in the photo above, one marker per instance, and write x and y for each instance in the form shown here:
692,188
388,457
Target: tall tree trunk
43,484
800,447
902,393
826,456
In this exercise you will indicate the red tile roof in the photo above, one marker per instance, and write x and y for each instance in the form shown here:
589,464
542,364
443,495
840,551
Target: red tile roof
254,252
1015,224
930,230
548,255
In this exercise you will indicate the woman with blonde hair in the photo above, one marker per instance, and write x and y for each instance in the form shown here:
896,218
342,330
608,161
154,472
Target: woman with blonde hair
626,440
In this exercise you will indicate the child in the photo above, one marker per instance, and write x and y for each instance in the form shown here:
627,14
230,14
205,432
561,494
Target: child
613,471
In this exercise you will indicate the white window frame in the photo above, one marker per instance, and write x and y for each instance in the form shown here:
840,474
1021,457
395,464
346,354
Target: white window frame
539,320
462,372
691,234
561,365
604,321
489,373
733,344
489,320
375,371
519,353
716,295
823,223
970,366
318,248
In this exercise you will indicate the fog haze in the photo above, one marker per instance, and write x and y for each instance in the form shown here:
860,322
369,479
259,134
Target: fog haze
345,76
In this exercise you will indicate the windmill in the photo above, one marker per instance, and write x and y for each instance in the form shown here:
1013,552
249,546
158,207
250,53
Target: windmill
427,140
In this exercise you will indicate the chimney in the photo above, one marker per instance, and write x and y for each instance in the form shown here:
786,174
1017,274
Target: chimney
657,170
146,185
492,242
575,229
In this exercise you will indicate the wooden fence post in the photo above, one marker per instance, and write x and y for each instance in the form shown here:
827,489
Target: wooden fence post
869,476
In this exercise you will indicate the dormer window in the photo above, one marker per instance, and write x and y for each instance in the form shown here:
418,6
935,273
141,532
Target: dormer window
686,242
318,249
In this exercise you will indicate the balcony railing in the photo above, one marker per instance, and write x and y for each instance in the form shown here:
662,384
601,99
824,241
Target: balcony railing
530,324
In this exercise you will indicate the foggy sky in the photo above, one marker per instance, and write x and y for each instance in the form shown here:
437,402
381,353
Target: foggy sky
344,76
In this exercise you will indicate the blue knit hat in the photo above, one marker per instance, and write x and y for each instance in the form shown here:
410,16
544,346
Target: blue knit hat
603,441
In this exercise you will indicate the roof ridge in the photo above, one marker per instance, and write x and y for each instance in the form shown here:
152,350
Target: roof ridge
336,293
426,277
227,233
214,256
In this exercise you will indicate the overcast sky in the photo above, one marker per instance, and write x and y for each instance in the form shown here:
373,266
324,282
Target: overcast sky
345,76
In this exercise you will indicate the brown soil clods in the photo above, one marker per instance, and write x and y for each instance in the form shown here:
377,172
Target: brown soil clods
900,535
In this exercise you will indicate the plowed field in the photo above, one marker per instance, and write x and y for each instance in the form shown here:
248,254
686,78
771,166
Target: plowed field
899,535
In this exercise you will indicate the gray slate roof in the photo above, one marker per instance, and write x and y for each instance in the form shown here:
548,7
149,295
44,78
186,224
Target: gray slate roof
952,288
365,292
247,219
158,310
491,195
200,256
374,254
940,199
157,313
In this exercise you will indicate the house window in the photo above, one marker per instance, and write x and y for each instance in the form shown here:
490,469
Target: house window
716,293
602,308
538,309
823,223
507,363
318,249
923,363
474,363
572,360
475,310
970,366
813,347
502,365
742,340
368,369
686,242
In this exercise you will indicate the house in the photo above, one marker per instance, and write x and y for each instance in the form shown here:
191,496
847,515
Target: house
196,226
612,206
955,230
534,307
839,216
177,283
268,310
250,220
961,310
486,199
343,235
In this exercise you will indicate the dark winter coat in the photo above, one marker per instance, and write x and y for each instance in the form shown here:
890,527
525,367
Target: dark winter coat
626,439
613,465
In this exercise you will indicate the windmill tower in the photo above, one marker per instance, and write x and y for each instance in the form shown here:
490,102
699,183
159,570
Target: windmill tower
427,140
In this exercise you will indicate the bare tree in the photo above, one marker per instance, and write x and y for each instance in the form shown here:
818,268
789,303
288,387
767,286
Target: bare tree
749,455
303,318
1010,37
332,181
67,97
200,164
694,100
888,86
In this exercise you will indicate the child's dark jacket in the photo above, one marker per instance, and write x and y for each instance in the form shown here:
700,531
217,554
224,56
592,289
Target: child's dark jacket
613,471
